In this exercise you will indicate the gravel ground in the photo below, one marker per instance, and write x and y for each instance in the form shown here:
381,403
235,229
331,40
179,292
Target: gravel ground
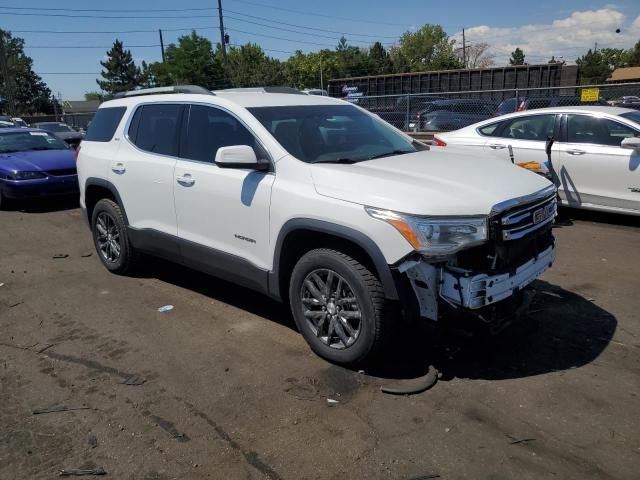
232,391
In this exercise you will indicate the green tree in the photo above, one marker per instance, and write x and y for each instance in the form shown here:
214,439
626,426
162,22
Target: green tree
248,66
379,60
191,61
146,77
99,96
429,48
596,66
120,72
633,55
517,57
303,70
23,91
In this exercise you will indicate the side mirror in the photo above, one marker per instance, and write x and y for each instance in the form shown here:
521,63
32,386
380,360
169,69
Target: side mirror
239,156
632,143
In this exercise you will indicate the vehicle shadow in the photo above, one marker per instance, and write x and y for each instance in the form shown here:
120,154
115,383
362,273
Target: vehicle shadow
44,204
567,215
560,331
217,289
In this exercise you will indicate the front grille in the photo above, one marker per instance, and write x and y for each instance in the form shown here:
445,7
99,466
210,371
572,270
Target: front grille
62,172
525,220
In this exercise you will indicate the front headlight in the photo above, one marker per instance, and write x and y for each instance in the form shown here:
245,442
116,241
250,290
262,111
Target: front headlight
436,235
26,175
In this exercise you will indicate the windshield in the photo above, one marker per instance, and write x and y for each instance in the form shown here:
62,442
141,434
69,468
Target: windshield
333,133
633,116
28,141
56,127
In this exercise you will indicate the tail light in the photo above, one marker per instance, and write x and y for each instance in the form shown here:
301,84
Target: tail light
438,142
77,152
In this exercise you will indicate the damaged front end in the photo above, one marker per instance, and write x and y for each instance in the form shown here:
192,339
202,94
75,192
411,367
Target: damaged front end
488,281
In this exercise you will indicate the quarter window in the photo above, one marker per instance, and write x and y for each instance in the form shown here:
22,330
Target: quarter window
490,130
154,128
598,131
208,129
532,127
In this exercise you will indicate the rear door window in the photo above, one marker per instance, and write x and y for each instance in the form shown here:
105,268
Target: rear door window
104,124
154,128
532,127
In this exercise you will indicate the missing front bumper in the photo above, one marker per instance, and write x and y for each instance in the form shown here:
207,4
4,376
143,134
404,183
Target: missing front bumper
464,289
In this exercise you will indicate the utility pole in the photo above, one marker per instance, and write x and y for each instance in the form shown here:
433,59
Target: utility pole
464,50
321,76
595,48
161,44
222,42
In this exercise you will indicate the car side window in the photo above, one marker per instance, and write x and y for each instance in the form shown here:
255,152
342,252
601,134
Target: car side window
598,131
491,129
154,128
208,129
533,127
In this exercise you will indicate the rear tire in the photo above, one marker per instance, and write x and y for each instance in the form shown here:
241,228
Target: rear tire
339,307
110,238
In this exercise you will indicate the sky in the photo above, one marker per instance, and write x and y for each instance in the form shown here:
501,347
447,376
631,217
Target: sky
70,62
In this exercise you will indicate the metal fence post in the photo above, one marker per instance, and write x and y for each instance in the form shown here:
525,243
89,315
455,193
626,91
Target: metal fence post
517,101
406,122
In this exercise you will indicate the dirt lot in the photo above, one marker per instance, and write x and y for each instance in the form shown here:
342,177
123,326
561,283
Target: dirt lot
231,391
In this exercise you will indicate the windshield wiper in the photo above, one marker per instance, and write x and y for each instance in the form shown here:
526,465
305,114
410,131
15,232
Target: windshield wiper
388,154
337,160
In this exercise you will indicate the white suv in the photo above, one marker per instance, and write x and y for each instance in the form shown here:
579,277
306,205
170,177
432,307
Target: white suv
314,201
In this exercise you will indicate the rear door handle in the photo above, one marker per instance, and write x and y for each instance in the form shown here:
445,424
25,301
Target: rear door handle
576,152
186,180
118,168
497,146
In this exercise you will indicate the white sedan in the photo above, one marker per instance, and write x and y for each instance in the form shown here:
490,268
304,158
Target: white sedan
592,152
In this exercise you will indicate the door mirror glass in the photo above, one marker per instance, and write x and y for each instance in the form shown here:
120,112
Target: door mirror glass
239,156
632,143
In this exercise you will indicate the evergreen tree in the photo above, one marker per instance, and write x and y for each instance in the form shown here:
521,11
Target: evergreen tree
517,57
120,72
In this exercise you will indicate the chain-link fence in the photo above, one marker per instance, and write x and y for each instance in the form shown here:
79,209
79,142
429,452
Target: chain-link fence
443,111
76,120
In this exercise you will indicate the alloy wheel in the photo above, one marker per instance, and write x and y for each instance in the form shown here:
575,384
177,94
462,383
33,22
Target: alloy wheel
108,237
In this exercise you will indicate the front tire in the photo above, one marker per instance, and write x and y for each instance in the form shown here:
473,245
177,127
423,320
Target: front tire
339,307
110,238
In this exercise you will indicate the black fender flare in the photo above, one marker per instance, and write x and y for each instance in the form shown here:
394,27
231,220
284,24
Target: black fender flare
101,182
360,239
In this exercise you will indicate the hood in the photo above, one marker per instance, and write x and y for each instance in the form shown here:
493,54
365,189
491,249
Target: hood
428,183
37,161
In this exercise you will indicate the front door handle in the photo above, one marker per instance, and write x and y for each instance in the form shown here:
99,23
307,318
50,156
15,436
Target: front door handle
186,180
118,168
497,146
576,152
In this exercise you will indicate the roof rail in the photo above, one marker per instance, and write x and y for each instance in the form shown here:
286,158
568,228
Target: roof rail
158,90
289,90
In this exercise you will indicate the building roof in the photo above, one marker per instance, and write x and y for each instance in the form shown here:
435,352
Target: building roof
626,73
80,106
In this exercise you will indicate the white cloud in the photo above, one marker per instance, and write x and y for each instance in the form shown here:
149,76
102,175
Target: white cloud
568,37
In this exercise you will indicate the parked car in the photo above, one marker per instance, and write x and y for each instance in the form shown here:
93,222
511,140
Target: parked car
521,104
18,122
443,115
595,154
316,91
6,122
35,163
63,131
317,202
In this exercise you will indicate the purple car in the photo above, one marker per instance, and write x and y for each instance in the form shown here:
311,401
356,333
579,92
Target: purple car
35,163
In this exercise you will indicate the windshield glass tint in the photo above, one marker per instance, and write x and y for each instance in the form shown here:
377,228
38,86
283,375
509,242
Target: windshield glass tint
28,141
332,133
57,127
633,116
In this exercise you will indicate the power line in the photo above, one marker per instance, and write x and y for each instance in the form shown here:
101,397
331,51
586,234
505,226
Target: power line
316,14
88,46
112,31
116,17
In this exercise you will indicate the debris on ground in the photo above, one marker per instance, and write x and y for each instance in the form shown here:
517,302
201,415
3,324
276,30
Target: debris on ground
61,255
79,472
521,441
419,385
58,408
15,304
86,255
166,308
92,440
331,401
1,284
551,294
134,380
